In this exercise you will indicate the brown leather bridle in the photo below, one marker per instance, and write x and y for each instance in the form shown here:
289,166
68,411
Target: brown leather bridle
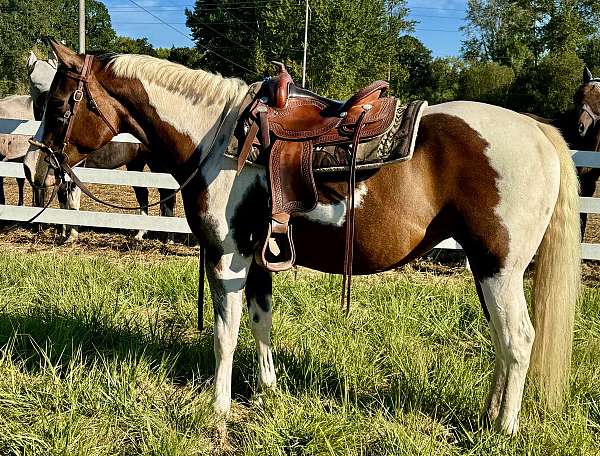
58,160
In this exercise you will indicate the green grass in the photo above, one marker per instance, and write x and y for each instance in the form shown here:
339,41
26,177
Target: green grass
99,356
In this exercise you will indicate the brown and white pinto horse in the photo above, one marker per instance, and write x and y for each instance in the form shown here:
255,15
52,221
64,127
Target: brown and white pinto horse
500,183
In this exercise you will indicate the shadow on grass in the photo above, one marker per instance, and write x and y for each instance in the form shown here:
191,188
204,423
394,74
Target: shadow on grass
64,336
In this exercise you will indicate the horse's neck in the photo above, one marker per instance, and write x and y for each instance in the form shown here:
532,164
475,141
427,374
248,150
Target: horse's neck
17,107
177,126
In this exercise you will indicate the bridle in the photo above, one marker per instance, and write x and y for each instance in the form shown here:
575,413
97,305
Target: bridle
58,160
588,110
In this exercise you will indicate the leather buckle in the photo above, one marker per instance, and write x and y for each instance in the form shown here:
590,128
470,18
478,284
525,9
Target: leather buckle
78,95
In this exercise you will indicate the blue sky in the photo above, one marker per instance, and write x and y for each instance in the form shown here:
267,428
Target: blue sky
437,27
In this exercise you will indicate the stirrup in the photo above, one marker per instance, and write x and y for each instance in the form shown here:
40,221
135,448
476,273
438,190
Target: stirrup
278,253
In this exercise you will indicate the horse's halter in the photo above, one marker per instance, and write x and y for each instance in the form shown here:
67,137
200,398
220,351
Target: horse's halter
59,160
585,108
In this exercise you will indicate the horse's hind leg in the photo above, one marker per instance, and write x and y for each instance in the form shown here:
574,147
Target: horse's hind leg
513,335
2,197
141,193
258,297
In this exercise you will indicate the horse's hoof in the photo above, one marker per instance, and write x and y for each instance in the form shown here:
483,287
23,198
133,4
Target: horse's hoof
507,425
69,240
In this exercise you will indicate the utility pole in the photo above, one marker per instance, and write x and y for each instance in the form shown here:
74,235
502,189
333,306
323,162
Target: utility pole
305,46
82,26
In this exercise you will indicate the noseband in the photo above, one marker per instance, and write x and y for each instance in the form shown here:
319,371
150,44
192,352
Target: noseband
586,108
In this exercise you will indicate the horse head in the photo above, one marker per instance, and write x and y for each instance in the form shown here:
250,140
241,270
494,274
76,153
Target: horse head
587,102
40,75
80,117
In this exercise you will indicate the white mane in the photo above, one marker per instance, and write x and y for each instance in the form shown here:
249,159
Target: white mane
191,101
197,85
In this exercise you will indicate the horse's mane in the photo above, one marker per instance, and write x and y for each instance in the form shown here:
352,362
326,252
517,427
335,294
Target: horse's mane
196,84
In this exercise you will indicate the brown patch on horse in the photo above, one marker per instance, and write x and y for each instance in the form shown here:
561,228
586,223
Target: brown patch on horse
172,150
430,197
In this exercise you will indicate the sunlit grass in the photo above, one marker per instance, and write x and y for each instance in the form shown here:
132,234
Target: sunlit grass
99,356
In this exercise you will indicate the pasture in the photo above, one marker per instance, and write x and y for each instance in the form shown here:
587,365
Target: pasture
99,355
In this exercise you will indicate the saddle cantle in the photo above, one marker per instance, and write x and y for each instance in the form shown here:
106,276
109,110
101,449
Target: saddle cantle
297,133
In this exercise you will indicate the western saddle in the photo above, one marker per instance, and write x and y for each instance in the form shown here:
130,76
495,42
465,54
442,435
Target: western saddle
286,123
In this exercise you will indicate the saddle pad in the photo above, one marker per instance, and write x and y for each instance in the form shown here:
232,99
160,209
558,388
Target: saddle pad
396,144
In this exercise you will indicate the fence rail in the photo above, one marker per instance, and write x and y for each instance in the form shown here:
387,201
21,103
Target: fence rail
159,180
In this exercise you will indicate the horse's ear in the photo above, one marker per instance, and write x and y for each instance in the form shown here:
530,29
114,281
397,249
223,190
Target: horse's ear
31,59
587,75
66,56
52,58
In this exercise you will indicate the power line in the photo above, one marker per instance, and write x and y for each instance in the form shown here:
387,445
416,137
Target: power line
189,38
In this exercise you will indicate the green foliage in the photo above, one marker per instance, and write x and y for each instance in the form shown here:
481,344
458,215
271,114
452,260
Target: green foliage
542,41
445,80
127,45
190,57
350,43
559,75
488,82
99,355
23,23
416,61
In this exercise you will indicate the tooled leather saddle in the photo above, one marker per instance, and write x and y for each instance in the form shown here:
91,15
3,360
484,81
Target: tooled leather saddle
297,133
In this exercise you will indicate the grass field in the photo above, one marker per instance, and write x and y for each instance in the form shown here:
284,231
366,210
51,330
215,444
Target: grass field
99,356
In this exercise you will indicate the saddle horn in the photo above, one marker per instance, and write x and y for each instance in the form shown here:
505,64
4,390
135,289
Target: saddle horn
279,86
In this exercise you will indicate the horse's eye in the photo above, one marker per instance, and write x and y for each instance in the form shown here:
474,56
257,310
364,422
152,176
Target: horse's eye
55,103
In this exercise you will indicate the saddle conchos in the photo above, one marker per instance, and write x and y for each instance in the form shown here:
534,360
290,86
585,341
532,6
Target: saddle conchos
297,133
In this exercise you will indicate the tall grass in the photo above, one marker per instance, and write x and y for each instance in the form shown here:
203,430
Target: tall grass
100,356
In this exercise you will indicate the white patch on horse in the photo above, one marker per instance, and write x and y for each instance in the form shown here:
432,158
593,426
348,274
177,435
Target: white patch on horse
528,174
335,214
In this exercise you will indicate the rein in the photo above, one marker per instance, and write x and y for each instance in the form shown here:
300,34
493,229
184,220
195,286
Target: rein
58,160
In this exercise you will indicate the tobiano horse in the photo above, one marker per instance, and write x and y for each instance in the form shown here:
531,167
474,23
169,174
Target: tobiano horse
500,183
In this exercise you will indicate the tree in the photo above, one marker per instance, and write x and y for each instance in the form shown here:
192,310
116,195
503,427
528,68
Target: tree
23,24
190,57
445,80
415,59
350,43
127,45
488,82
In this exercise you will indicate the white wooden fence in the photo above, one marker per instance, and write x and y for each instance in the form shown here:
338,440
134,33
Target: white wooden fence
158,180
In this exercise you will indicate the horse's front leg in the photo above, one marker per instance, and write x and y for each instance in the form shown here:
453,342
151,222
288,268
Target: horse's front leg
259,299
227,278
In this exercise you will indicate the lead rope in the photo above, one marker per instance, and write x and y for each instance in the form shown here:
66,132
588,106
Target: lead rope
34,218
349,248
201,274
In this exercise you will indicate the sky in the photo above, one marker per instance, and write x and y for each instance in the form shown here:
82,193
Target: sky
437,25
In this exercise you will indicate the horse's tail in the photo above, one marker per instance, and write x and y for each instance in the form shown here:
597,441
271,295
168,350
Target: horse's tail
556,283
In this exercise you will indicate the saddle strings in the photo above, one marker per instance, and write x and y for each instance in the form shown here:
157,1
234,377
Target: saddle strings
350,211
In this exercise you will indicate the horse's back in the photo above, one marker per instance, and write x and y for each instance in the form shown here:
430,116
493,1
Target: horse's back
16,107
